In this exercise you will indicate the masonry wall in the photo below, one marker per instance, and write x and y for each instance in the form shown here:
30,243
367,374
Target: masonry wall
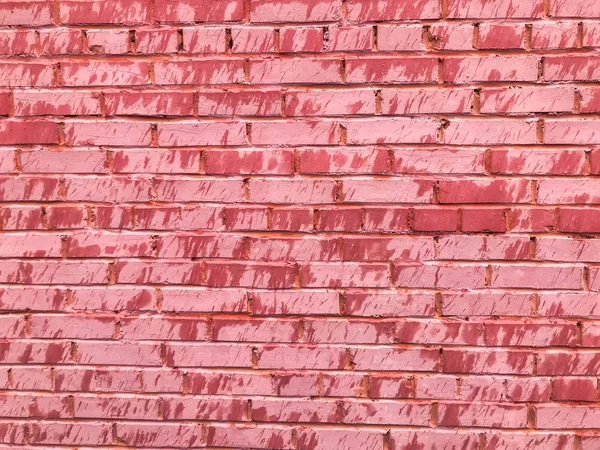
307,224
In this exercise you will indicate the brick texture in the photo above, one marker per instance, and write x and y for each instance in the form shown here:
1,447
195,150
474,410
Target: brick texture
300,224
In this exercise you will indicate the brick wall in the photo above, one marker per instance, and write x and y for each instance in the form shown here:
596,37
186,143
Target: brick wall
300,224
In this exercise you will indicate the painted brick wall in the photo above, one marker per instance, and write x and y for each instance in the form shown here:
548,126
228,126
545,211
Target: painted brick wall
300,224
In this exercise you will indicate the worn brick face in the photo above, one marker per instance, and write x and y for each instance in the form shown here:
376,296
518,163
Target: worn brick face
300,224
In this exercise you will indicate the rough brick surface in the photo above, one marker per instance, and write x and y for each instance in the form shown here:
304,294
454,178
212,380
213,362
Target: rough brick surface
300,224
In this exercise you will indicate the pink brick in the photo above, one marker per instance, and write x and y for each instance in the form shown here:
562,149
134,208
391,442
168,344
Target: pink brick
204,40
156,40
398,131
554,35
494,9
526,100
470,69
156,161
426,101
330,103
204,72
295,71
253,40
300,39
407,70
501,36
115,42
291,11
102,73
198,11
350,39
240,103
400,38
451,36
368,10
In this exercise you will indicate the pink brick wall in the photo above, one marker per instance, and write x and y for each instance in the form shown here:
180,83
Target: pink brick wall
300,224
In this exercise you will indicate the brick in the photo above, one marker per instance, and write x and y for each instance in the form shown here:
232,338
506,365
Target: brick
28,132
499,389
483,247
17,42
149,103
441,387
295,302
408,70
63,102
394,359
300,39
566,191
344,275
204,40
349,439
526,100
530,335
400,38
386,412
570,68
551,162
403,439
209,355
283,410
110,42
390,190
497,416
101,73
198,11
180,189
575,389
335,219
295,71
80,161
253,40
495,191
486,304
61,41
157,218
193,133
426,101
107,190
204,409
139,434
494,9
557,362
537,277
574,8
255,275
30,13
199,72
451,36
118,353
310,132
290,11
184,245
239,103
26,75
490,132
263,330
388,304
473,69
156,161
563,304
292,191
78,433
246,218
501,36
70,327
156,40
277,438
330,103
505,441
386,219
350,39
430,219
294,249
368,10
438,276
160,272
441,160
554,35
275,162
182,299
488,361
483,219
104,11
